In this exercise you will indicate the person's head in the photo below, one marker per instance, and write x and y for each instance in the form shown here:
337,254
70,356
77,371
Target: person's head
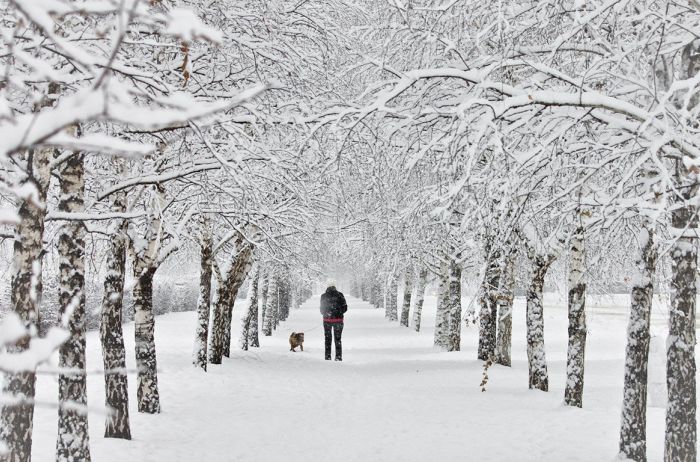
330,283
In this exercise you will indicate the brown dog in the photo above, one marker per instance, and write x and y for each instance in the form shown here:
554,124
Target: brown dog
296,340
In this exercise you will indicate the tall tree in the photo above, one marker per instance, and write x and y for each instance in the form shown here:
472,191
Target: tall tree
407,291
111,333
633,436
17,416
204,301
420,298
251,312
573,393
73,439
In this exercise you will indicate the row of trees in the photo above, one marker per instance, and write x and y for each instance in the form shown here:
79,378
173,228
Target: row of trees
414,140
136,133
516,138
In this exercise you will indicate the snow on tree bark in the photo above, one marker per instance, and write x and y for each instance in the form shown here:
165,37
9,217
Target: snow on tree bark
633,441
391,302
537,362
252,311
505,312
420,298
111,334
253,330
681,423
575,360
224,303
267,322
16,419
408,288
73,440
454,310
488,306
272,303
442,314
147,393
284,290
201,336
145,263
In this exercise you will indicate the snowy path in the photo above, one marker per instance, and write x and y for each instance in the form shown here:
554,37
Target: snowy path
393,398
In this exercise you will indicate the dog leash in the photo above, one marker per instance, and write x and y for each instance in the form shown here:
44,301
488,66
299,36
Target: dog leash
313,328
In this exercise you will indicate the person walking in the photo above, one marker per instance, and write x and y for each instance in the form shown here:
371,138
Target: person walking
333,308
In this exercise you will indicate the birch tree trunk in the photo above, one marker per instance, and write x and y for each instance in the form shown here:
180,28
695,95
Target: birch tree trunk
420,298
391,302
272,302
488,306
505,312
442,315
144,329
111,334
407,290
225,301
73,440
145,266
253,330
537,362
267,322
201,336
284,290
454,301
575,362
681,423
633,438
252,311
375,294
17,418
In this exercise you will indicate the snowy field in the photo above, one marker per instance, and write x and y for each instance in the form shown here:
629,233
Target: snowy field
394,398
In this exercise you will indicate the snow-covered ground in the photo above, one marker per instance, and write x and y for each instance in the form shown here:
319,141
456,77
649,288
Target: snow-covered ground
393,398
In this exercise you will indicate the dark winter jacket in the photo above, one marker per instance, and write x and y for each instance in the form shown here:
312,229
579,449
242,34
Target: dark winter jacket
333,305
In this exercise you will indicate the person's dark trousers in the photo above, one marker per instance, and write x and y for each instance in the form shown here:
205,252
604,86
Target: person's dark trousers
333,330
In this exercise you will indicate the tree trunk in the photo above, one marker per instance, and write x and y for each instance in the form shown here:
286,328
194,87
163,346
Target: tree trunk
111,334
144,329
251,313
633,438
391,302
420,298
378,294
442,315
489,307
284,296
408,288
267,322
537,362
201,336
681,423
224,303
454,302
505,312
272,303
253,330
216,347
573,394
16,419
73,440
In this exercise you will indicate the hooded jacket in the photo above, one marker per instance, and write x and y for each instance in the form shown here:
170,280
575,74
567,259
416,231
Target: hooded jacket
333,305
